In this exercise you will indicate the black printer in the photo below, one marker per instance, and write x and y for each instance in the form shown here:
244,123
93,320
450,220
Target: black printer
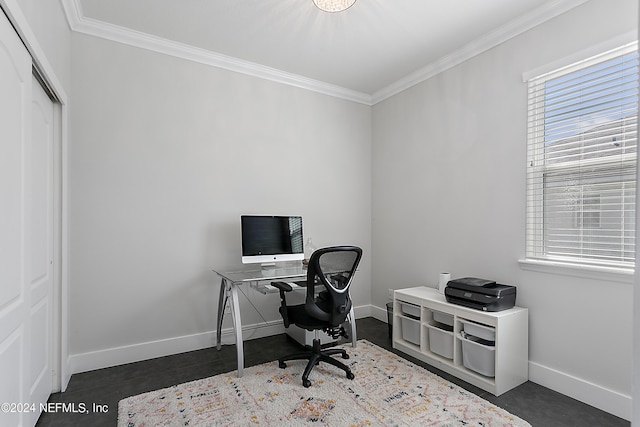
481,294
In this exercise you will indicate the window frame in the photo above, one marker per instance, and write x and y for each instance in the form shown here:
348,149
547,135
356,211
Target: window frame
535,245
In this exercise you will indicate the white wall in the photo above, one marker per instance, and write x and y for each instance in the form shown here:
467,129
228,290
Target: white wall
165,155
449,158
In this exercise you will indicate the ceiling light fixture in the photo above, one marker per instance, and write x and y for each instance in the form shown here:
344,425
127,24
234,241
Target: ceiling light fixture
333,5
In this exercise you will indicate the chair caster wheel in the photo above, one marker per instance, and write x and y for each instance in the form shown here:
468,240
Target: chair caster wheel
306,383
350,375
345,356
282,365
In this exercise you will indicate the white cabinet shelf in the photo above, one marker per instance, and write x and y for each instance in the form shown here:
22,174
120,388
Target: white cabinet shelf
496,368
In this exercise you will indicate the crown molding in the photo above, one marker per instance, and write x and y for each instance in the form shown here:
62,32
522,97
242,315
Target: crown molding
488,41
79,23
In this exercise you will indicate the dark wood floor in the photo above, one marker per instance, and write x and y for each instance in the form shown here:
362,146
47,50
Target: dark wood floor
103,389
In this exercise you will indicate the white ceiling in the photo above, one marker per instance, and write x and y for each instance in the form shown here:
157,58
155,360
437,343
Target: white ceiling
372,50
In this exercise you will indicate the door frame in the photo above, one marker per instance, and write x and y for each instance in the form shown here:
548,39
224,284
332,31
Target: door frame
50,82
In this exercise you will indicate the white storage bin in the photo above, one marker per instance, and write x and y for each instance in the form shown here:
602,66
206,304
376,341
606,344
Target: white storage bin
411,330
478,357
477,330
440,341
444,318
411,310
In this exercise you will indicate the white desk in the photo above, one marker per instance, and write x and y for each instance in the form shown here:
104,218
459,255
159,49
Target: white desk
229,288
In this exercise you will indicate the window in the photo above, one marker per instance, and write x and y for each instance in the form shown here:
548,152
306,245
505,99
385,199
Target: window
581,161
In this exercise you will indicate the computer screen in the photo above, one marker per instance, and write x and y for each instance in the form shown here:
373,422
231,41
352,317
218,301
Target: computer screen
268,239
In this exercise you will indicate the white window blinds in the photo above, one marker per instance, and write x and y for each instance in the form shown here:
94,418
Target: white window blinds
581,161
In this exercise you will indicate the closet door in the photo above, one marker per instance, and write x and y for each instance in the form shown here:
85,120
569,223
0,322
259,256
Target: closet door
25,245
40,224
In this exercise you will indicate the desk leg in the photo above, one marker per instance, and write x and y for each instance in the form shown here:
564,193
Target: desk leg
352,320
237,326
221,301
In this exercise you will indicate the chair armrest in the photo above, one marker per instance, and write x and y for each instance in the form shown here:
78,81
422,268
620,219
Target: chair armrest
282,286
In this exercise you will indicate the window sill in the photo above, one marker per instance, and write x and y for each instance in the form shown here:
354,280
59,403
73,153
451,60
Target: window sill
613,274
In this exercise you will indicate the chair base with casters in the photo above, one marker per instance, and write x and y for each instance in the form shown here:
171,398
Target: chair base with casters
315,356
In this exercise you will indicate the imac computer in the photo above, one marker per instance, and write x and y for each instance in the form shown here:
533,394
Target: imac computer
267,239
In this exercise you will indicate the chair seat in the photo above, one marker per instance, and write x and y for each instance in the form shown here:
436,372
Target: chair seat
299,317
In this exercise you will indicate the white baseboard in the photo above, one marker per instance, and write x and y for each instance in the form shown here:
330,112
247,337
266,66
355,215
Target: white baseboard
594,395
378,313
149,350
362,311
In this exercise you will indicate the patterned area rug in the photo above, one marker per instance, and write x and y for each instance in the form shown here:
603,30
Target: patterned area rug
387,391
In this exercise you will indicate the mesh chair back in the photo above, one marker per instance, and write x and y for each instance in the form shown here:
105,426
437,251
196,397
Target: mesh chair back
334,268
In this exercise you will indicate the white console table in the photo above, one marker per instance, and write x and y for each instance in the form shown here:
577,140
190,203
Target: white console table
511,338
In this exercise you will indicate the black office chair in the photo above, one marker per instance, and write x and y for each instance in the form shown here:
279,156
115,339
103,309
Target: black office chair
326,307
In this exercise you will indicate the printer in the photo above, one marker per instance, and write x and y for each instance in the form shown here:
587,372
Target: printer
480,294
